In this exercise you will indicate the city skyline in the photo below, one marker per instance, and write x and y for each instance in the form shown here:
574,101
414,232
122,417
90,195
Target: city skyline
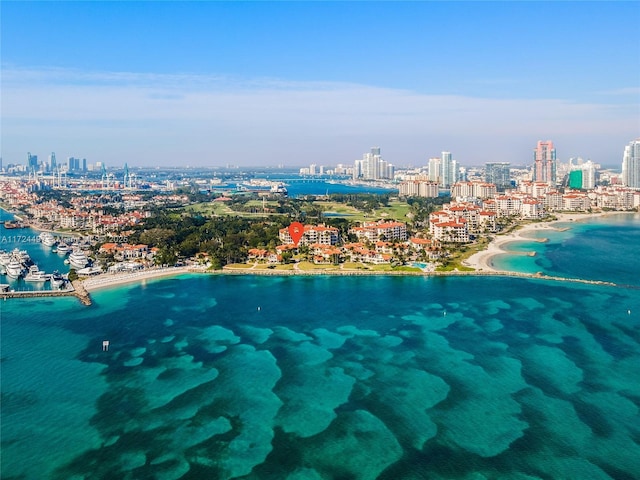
264,83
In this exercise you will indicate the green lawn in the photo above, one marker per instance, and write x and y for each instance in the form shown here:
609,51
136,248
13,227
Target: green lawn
239,266
397,210
308,266
209,208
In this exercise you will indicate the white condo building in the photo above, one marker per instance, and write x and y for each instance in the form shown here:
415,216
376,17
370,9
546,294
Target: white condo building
418,188
434,169
372,167
449,168
631,165
443,170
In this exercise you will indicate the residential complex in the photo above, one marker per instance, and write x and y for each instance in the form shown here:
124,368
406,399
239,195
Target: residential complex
372,167
631,164
499,174
544,166
312,234
443,170
373,231
418,187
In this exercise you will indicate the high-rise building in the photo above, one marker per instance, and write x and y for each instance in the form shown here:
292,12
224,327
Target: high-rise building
446,177
583,175
372,167
498,173
544,166
434,169
52,162
32,162
73,164
631,164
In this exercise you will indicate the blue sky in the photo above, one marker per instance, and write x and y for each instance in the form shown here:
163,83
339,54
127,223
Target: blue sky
293,83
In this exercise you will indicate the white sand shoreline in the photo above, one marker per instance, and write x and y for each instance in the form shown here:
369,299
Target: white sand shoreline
482,261
106,280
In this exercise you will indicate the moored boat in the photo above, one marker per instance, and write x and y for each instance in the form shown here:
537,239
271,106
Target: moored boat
4,258
36,275
57,280
47,239
14,269
62,249
78,259
14,224
21,256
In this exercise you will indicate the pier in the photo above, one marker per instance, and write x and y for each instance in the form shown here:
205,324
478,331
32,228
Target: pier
75,290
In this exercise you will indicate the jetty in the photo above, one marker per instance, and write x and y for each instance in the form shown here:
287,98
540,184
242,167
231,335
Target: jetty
75,289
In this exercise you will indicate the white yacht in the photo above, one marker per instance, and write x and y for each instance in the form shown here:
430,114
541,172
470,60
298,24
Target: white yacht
47,239
57,280
4,258
78,259
14,268
36,275
21,256
63,249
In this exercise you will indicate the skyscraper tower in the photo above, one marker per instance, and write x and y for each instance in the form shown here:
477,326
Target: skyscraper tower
631,164
372,166
32,162
127,177
447,177
544,166
52,162
434,169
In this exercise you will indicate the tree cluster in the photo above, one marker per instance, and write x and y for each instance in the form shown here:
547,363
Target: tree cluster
225,239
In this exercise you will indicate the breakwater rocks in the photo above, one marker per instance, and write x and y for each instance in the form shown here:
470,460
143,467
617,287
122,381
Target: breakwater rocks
453,273
81,293
75,290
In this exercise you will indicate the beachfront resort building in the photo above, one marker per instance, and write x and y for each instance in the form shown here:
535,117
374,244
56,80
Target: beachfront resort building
457,220
447,228
312,234
374,231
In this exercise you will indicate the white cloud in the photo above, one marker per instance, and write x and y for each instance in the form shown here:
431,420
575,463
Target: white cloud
164,117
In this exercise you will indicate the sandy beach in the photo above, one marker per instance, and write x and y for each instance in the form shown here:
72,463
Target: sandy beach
112,279
482,261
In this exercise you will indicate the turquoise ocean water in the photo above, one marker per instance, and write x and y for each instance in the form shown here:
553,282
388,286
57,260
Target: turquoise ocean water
224,377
